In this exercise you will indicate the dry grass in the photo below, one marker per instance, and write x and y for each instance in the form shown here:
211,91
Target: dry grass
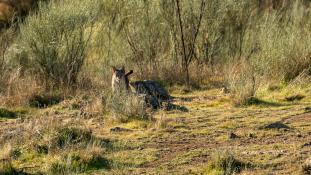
125,107
242,82
58,139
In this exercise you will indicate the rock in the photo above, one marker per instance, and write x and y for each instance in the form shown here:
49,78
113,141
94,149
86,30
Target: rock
119,129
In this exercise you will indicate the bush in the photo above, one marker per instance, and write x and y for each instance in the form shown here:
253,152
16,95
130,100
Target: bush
6,38
57,37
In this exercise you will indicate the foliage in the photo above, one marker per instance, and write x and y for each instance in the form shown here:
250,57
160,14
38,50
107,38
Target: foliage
57,37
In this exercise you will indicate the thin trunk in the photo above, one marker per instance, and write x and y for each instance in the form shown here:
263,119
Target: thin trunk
184,65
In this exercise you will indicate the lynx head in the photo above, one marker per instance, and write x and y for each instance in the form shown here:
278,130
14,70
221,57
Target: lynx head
120,81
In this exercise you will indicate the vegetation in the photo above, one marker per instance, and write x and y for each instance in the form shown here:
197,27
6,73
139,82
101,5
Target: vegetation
233,67
225,164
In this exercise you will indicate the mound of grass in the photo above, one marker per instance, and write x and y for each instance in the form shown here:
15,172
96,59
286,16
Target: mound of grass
71,136
224,164
78,163
43,101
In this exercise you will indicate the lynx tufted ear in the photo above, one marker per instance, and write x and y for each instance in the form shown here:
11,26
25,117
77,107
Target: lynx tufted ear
114,69
129,73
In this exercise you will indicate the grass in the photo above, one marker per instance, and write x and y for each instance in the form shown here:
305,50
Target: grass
78,163
125,107
5,113
6,168
43,101
70,45
71,136
174,142
306,167
224,164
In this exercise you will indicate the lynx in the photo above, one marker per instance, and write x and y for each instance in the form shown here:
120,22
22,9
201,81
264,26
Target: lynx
154,94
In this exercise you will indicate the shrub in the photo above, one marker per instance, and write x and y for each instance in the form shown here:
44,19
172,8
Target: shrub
5,42
57,37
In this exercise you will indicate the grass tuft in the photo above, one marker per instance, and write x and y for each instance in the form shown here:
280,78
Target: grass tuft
224,164
127,106
6,168
71,136
79,162
4,113
43,101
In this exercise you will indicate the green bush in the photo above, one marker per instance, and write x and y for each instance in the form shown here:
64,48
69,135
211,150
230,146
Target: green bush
57,37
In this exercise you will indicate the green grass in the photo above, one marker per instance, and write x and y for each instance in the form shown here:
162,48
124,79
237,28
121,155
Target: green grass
5,113
174,142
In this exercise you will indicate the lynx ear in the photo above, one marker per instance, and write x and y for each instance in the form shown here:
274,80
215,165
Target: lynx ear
114,69
129,73
123,68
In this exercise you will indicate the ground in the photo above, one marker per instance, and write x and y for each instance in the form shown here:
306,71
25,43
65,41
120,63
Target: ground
183,142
